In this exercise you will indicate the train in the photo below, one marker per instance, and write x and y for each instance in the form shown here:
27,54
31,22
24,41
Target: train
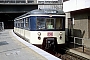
42,27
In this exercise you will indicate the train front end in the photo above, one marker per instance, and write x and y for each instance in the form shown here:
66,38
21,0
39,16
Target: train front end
49,30
42,27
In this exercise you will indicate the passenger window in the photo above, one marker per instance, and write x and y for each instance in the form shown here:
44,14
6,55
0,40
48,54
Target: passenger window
22,23
27,23
40,23
18,23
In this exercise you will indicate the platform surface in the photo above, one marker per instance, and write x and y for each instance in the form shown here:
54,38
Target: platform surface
15,48
80,50
12,49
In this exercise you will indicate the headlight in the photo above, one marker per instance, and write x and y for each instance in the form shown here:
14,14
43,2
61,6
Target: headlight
39,34
60,33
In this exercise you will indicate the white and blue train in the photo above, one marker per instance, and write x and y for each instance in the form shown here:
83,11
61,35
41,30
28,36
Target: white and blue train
42,27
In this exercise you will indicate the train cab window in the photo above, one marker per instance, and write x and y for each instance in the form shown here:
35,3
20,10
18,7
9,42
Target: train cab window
40,23
58,23
50,23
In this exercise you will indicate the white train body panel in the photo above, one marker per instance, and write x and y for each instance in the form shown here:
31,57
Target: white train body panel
50,24
32,36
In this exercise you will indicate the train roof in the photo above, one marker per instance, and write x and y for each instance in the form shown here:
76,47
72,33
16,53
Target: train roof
46,11
43,12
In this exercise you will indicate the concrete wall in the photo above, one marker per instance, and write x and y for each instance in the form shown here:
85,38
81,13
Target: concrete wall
72,5
89,27
81,28
79,10
80,25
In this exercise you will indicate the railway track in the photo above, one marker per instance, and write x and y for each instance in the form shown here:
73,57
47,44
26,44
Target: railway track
70,56
64,54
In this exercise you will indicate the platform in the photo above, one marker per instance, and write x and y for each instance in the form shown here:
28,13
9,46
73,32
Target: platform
81,50
13,47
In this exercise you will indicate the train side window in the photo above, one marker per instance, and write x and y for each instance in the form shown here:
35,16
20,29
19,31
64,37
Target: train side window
18,23
22,23
27,23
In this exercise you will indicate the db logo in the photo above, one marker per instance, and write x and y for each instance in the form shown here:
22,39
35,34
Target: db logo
50,34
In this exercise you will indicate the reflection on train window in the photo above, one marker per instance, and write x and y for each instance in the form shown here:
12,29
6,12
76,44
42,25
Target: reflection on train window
15,23
27,23
40,23
58,23
18,23
22,23
50,23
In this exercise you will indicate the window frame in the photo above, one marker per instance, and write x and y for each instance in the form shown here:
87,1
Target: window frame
50,19
55,18
26,27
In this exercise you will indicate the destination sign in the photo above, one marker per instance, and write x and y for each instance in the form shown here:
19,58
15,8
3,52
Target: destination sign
50,11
